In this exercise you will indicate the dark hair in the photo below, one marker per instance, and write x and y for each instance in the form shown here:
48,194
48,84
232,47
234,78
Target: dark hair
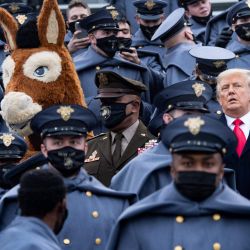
77,3
40,191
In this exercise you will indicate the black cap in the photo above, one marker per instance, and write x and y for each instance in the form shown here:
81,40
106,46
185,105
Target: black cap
237,11
197,134
63,120
112,85
175,22
211,60
14,7
150,9
101,19
185,3
185,95
12,146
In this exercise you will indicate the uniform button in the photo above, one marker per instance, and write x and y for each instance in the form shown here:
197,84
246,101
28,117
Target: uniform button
88,193
218,112
216,217
98,241
97,67
179,219
178,248
66,241
237,56
95,214
216,246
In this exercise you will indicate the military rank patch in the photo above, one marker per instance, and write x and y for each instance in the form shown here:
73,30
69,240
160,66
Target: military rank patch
93,157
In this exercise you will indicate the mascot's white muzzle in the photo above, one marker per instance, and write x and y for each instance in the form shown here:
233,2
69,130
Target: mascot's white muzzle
17,111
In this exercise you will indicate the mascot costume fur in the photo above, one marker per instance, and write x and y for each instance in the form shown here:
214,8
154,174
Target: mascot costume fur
39,71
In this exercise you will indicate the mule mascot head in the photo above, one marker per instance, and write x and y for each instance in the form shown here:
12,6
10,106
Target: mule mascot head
39,71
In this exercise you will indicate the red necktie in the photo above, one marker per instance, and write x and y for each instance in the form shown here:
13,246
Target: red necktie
240,136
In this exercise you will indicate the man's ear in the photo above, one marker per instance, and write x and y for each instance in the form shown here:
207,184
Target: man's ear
67,24
172,171
189,34
44,150
137,19
187,13
86,147
233,27
167,118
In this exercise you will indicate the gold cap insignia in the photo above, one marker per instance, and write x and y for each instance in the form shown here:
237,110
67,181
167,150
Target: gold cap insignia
7,139
150,4
114,14
219,64
21,19
198,88
194,125
103,79
65,112
14,8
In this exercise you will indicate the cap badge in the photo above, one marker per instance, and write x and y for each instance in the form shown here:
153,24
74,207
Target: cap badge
194,125
103,79
150,4
219,64
7,139
198,88
113,12
14,8
21,19
65,112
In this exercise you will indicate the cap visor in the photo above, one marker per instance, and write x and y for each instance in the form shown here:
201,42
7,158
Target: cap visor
150,17
109,95
68,132
195,148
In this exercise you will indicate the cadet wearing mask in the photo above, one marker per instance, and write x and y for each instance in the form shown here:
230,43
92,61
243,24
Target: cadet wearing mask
43,209
93,208
199,12
150,171
197,210
101,55
149,16
177,37
12,150
120,108
238,19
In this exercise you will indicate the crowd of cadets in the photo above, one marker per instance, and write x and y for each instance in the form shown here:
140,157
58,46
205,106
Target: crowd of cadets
167,86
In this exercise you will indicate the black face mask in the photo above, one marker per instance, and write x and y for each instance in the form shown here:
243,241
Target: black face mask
202,20
113,114
59,224
124,42
196,186
108,44
67,160
148,32
243,31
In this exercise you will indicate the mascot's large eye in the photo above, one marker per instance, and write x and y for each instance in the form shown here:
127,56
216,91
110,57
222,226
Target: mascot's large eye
41,71
44,66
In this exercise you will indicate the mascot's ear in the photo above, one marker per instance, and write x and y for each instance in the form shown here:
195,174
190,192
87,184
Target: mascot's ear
51,25
9,26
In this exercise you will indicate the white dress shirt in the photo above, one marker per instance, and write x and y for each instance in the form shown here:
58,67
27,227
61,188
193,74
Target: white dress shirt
245,127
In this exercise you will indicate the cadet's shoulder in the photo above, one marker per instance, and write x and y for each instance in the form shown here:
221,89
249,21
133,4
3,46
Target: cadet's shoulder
100,137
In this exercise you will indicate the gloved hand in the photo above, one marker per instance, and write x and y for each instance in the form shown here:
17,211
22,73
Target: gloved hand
224,37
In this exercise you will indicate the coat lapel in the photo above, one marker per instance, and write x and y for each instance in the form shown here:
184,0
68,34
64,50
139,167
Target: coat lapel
105,147
138,140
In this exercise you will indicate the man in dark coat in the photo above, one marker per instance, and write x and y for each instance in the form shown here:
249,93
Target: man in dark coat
233,92
107,153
